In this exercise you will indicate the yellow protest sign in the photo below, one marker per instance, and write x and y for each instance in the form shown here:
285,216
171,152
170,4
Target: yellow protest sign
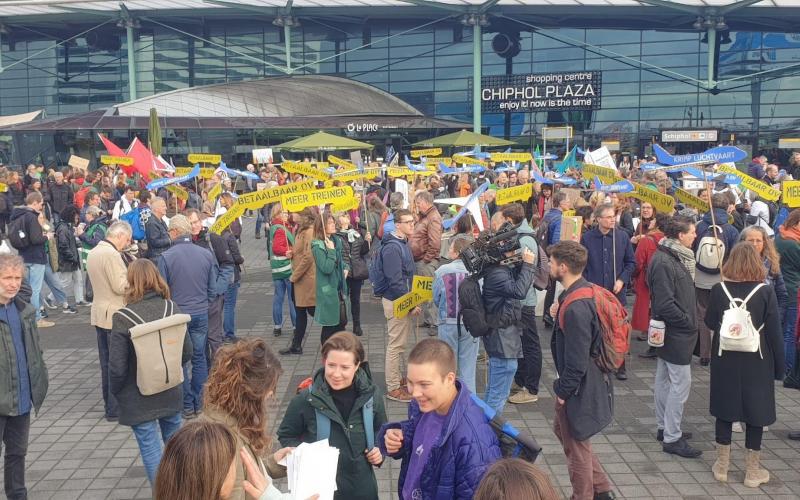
215,191
338,196
423,285
344,205
419,153
512,194
568,213
205,172
691,200
257,199
433,161
178,191
4,187
469,160
791,194
403,305
335,160
521,157
605,174
660,202
226,219
762,189
354,175
305,169
204,158
116,160
407,172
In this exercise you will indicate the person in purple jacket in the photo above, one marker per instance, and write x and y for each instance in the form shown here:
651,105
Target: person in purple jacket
446,444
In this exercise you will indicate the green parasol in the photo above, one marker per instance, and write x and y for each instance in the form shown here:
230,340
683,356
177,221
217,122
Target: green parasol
464,138
322,141
154,133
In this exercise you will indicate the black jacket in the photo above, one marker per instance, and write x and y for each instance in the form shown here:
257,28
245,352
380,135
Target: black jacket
34,253
134,408
158,240
672,300
235,252
59,196
743,383
68,257
354,255
503,291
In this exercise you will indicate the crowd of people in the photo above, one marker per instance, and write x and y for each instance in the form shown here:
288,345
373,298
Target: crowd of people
719,285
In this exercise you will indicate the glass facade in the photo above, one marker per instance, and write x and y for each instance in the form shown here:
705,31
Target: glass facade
431,68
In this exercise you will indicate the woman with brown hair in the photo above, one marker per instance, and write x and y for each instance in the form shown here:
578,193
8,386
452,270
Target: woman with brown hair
303,278
515,479
743,383
156,417
647,219
341,393
330,280
243,378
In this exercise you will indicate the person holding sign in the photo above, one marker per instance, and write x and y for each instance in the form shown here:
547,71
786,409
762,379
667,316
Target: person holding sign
330,279
355,247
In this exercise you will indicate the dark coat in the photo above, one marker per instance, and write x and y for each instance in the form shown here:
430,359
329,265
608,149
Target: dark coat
235,252
158,240
460,457
37,370
134,408
789,251
59,196
34,253
607,254
503,292
68,257
354,255
355,478
672,300
398,266
742,383
329,282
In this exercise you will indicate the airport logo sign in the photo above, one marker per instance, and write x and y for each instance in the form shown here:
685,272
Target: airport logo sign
573,91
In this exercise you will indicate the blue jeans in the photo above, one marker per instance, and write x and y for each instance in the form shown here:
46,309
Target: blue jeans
498,387
465,348
151,444
109,400
259,221
789,335
54,284
193,386
282,288
229,310
35,280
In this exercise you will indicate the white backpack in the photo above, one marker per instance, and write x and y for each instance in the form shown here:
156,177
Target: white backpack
737,332
710,251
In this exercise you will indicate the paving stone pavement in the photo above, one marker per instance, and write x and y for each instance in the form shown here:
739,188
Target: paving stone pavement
74,453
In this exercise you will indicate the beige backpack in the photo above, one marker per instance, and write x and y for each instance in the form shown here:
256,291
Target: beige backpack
159,348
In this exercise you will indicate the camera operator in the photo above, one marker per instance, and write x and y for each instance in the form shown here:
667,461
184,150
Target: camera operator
504,288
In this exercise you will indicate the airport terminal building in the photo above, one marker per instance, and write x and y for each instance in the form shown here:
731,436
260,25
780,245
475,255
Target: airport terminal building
226,77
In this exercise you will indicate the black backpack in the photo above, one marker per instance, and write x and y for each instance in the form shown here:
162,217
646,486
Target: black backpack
472,313
541,236
17,235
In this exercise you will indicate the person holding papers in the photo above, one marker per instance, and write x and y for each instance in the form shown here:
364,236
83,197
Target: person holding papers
447,443
341,398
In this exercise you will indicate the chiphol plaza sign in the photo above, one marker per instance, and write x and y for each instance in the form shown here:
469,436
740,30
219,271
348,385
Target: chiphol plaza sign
573,91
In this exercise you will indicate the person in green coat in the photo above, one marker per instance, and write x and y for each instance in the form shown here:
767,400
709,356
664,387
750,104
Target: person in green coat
331,274
342,392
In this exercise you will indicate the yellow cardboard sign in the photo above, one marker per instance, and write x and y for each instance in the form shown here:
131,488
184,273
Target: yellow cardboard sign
407,172
693,201
257,199
419,153
512,194
423,285
605,174
215,191
116,160
403,305
568,213
226,219
791,194
335,160
338,196
469,160
521,157
345,205
204,158
660,202
354,175
433,161
305,169
3,187
763,189
205,172
178,191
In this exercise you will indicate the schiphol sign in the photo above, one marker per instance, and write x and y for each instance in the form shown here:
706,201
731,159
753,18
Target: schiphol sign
573,91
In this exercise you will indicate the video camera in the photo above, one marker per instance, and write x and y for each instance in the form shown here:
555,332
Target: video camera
491,248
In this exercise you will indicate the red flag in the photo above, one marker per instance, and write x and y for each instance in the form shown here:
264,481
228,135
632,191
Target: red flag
143,159
115,150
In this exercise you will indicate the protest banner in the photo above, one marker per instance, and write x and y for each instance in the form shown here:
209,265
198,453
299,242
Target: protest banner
691,200
204,158
512,194
215,191
600,157
305,169
419,153
571,228
226,219
403,305
469,160
762,189
661,202
355,175
791,194
116,160
423,285
178,191
335,195
605,174
568,213
345,205
166,181
205,172
78,162
262,156
407,172
521,157
335,160
257,199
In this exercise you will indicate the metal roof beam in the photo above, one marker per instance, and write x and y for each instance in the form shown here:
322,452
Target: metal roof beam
674,6
266,11
736,6
437,5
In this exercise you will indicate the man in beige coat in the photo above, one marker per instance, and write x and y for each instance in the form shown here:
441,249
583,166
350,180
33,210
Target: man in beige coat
109,278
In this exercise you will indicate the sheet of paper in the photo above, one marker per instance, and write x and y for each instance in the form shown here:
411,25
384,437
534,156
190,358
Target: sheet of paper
311,470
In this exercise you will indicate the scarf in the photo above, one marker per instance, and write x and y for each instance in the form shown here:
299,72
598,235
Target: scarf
352,234
792,233
685,255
